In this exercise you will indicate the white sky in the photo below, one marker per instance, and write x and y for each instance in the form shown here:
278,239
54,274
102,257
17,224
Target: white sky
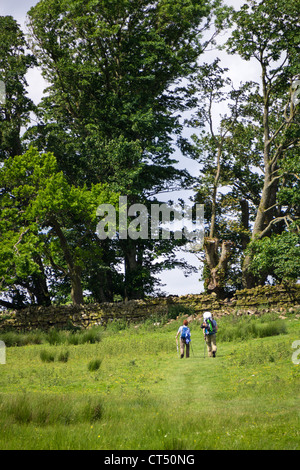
239,71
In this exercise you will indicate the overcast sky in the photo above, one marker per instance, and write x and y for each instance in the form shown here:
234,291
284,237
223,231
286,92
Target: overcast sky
239,71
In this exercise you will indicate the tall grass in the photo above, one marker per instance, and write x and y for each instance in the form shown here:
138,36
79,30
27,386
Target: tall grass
42,410
54,337
47,356
13,338
242,328
94,365
262,353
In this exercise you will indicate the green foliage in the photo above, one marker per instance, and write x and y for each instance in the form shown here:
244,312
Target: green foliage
113,109
15,61
249,157
277,256
267,27
175,311
45,221
115,71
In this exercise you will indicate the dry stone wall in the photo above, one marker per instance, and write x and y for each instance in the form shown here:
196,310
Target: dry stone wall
249,301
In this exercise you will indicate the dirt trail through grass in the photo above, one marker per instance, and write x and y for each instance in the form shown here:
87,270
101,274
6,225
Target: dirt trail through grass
191,381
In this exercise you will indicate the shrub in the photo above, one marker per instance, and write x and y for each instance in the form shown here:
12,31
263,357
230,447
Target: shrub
74,339
91,336
55,337
47,356
175,311
94,365
116,325
63,356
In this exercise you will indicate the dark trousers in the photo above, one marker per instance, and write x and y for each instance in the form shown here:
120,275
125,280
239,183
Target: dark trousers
187,348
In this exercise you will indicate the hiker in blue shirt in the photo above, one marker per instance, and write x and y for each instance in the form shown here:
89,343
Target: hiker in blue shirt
185,339
210,328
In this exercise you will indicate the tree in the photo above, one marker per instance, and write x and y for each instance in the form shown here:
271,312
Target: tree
115,70
267,31
15,61
276,257
110,65
45,221
15,108
249,165
225,175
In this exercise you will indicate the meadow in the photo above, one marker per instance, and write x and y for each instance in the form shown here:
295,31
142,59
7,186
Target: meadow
124,388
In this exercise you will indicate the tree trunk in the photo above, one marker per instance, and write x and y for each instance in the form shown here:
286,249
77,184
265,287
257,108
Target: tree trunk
217,263
76,287
133,285
262,221
40,288
74,270
245,223
266,209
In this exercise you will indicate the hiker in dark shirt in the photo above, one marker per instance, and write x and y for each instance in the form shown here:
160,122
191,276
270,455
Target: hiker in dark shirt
210,328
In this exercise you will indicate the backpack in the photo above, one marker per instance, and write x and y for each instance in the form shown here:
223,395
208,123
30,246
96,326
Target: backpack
210,328
185,334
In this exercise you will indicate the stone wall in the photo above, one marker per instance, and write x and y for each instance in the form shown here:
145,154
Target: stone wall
248,301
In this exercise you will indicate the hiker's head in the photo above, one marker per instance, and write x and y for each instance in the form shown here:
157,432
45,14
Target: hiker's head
185,322
207,315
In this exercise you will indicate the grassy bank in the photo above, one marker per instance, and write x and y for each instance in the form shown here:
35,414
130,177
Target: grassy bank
126,388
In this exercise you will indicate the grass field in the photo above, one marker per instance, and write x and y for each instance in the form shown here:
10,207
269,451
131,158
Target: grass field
124,388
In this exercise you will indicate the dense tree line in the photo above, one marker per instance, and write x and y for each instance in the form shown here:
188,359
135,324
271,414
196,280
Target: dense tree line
120,74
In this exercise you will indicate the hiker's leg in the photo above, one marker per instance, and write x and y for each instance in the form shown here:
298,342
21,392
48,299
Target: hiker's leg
187,350
181,349
214,344
209,348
